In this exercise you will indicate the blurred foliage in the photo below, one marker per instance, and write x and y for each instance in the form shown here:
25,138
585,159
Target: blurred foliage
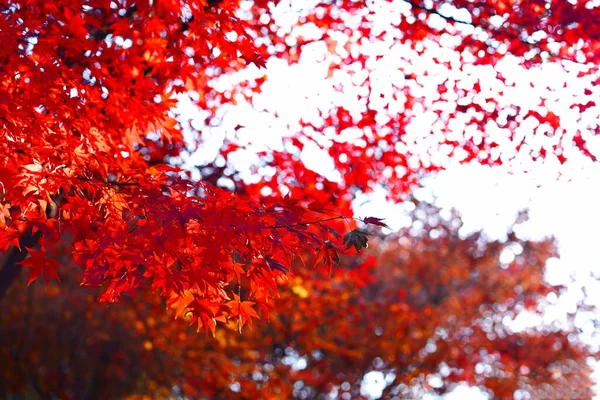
427,307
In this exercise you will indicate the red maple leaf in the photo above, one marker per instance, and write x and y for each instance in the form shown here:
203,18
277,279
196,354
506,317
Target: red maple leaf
375,221
243,311
38,263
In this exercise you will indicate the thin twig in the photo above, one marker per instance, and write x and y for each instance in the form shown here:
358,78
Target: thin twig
307,223
490,30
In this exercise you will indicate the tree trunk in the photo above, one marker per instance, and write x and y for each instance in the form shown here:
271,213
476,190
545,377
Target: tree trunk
11,259
9,262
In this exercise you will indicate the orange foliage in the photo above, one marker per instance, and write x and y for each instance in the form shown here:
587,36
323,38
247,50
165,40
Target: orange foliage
428,305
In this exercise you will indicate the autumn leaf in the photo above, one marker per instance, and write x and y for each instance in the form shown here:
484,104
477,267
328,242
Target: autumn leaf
375,221
320,207
203,314
179,302
276,265
358,239
38,264
242,311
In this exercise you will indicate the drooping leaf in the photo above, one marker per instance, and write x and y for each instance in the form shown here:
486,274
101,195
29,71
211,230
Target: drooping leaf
276,265
358,239
39,263
242,311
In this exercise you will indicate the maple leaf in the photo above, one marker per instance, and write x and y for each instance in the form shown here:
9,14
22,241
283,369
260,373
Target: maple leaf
38,264
179,302
357,238
242,311
319,207
203,314
375,221
276,265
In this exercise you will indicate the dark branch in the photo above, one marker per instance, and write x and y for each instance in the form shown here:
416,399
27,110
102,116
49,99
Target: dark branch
490,30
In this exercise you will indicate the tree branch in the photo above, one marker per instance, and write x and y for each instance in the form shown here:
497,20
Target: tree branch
11,259
446,17
307,223
490,30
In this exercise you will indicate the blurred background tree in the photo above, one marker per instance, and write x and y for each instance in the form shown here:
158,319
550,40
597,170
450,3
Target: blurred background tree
425,310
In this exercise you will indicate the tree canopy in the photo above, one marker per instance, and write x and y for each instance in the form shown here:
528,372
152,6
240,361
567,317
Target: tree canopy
92,142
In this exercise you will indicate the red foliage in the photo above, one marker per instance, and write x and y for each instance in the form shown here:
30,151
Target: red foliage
90,140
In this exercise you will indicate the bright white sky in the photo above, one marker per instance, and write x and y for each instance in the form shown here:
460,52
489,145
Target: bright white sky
563,200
